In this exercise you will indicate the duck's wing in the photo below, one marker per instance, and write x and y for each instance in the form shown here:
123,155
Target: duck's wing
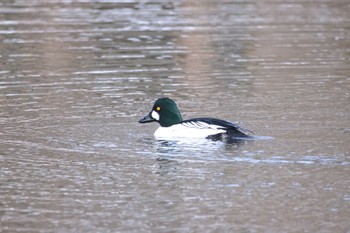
213,123
201,123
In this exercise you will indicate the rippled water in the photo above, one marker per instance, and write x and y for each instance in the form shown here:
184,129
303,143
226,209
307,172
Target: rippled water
76,76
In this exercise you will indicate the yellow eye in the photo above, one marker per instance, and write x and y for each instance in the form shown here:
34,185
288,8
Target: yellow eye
158,108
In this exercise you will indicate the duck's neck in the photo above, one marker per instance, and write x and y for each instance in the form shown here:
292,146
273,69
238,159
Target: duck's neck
170,118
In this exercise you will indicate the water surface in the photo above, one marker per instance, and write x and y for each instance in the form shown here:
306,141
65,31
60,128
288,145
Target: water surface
76,76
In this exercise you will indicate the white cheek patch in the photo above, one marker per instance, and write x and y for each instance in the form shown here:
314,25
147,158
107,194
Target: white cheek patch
155,115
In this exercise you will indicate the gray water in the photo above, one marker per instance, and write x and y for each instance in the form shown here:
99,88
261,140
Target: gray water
76,76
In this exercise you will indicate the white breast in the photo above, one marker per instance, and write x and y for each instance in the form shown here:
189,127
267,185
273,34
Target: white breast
188,130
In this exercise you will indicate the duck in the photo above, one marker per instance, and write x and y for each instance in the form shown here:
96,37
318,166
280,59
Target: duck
172,126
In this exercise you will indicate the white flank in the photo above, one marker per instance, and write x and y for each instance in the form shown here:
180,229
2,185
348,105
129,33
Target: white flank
188,130
155,115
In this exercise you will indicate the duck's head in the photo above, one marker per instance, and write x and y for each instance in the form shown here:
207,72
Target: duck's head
165,112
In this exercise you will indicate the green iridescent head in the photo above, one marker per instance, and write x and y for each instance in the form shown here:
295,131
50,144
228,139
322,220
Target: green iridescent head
165,112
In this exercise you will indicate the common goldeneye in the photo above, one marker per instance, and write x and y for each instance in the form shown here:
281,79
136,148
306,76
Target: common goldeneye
167,114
